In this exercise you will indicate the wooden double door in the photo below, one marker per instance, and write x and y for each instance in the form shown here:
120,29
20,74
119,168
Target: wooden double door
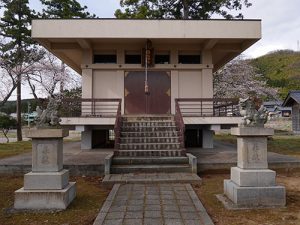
158,98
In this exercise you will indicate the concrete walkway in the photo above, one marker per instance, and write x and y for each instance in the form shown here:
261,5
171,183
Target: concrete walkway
91,162
144,178
153,204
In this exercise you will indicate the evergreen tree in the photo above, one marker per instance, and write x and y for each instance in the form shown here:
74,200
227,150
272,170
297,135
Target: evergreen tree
65,9
17,50
180,9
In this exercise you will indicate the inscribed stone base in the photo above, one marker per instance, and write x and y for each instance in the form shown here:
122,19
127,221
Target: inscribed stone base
252,152
255,196
46,180
253,177
45,199
47,155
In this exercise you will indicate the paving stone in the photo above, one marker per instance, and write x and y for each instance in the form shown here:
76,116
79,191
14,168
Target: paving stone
135,208
152,197
178,184
167,193
185,208
152,192
172,215
166,188
152,214
125,187
183,196
179,188
168,202
121,197
170,208
135,202
152,221
190,215
138,193
134,215
170,197
152,188
119,203
148,204
192,222
173,222
138,187
152,202
152,207
184,202
115,215
117,208
133,221
113,222
137,197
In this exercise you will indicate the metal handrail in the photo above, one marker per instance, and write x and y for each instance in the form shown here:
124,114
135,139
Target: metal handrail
89,107
208,107
179,123
117,127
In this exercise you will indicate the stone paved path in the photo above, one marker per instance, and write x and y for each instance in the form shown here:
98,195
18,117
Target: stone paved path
134,178
153,204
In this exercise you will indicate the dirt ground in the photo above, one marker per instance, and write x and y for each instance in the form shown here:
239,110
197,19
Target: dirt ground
213,184
82,211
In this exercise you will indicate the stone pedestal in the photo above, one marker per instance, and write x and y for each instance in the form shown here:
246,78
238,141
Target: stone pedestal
251,183
47,186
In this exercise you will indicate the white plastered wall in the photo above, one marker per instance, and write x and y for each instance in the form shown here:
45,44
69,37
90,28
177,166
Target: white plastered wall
108,84
101,83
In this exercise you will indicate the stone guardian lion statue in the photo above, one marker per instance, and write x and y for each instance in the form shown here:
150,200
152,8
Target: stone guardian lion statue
252,117
49,116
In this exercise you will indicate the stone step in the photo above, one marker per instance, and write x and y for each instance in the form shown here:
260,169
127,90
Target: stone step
150,146
128,140
147,118
150,153
148,124
151,178
148,129
150,134
165,168
121,160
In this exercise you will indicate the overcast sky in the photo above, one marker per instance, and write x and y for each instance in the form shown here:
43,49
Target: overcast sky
280,21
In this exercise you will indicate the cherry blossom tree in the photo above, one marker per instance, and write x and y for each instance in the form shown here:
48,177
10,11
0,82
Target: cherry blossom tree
46,75
238,79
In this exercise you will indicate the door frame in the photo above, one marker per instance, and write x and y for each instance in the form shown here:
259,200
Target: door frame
166,71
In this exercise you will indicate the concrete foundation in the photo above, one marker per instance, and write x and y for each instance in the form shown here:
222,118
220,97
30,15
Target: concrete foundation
107,163
47,186
86,140
192,162
46,180
251,183
255,196
45,199
253,178
207,138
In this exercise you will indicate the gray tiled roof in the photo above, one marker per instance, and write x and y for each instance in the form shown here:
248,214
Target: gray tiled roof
292,97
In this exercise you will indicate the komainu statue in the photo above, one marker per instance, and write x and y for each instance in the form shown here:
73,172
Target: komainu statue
48,117
254,114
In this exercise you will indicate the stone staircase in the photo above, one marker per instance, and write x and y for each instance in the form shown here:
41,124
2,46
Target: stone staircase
149,144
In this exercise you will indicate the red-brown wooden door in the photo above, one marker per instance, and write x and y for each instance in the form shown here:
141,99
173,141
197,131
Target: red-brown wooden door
157,101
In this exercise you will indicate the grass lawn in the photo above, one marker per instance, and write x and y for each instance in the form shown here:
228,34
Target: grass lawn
14,148
282,144
213,184
82,211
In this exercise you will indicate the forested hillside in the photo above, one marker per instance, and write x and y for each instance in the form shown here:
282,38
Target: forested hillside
281,70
